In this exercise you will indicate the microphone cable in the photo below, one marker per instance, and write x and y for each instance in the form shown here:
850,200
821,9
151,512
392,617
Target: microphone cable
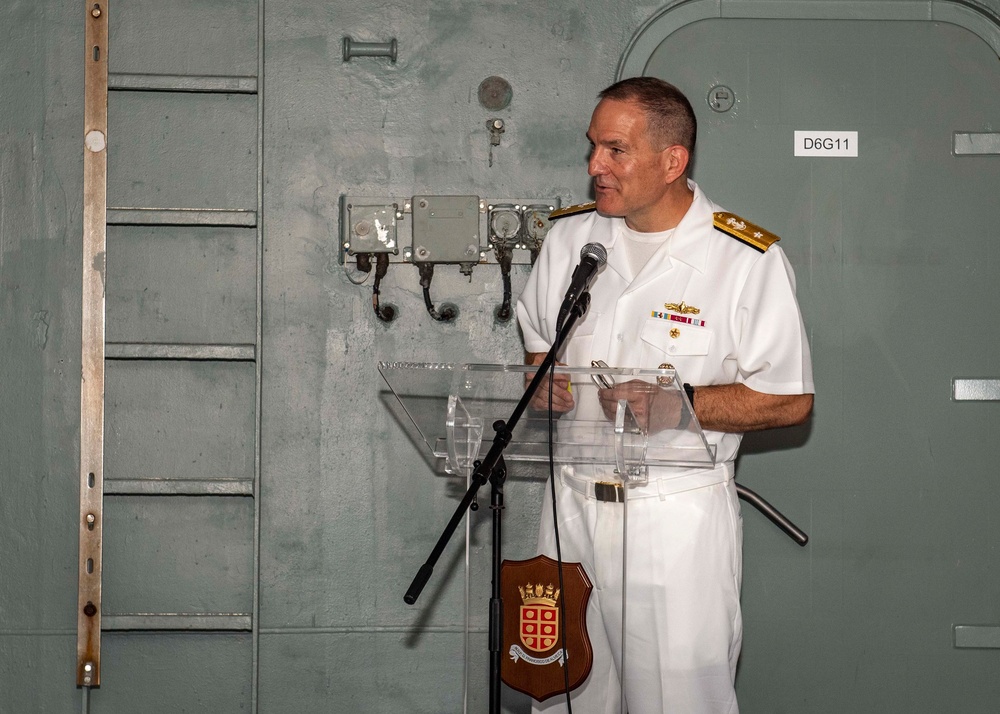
559,559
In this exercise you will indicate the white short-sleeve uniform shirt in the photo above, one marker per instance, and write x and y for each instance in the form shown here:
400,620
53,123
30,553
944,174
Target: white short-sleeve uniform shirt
751,329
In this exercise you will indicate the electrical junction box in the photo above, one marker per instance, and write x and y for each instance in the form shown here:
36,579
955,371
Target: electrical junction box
369,227
445,229
505,225
388,225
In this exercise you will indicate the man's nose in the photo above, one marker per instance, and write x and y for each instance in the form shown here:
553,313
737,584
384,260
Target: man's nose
595,166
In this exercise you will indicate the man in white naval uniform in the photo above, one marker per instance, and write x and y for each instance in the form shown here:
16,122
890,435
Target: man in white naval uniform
739,341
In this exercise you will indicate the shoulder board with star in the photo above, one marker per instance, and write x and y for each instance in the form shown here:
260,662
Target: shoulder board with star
744,231
572,210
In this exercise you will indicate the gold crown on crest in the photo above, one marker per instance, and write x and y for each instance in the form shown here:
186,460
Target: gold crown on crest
539,594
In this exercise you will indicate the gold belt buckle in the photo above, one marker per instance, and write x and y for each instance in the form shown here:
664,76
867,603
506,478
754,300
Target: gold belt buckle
609,492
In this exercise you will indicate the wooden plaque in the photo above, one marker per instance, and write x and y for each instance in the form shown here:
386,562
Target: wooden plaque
533,630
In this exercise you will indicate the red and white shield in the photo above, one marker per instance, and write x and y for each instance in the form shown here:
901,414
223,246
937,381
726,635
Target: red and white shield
539,627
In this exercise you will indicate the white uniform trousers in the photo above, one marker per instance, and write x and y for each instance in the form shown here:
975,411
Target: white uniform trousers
684,627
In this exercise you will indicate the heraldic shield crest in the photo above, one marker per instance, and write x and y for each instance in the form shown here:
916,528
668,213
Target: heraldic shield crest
537,643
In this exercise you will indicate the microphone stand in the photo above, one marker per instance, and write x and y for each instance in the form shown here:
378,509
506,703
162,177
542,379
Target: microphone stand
493,469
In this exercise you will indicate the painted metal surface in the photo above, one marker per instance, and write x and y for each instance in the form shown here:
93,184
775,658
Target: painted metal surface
176,672
180,419
896,267
359,505
41,229
183,286
977,17
186,38
177,150
185,555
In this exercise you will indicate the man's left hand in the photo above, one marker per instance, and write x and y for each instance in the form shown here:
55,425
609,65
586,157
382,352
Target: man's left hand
656,409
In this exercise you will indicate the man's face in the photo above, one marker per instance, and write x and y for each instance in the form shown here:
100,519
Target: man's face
629,172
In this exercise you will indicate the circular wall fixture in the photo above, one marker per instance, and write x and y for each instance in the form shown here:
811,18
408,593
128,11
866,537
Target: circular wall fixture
495,93
721,98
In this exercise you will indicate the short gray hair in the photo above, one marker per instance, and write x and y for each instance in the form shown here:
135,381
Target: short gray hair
669,115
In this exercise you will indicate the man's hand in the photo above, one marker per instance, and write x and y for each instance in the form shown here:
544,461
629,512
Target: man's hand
655,409
562,398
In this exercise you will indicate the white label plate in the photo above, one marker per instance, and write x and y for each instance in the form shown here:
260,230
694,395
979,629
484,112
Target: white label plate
826,143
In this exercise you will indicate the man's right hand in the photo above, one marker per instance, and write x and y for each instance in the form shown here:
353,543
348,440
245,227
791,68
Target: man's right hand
562,397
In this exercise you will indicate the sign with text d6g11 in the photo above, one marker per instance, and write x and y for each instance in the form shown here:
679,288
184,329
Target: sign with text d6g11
837,144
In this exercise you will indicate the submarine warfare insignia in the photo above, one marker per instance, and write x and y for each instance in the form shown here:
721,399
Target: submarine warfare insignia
684,309
744,231
681,307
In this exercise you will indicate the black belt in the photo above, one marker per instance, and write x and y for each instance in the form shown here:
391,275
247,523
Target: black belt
609,492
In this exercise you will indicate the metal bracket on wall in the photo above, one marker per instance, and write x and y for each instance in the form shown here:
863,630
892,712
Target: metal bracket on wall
95,180
353,48
980,637
975,390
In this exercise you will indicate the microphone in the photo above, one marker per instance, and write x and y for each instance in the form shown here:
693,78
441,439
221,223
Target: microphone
593,256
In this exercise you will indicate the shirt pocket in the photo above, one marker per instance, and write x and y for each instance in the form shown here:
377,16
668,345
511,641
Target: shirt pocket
578,349
681,345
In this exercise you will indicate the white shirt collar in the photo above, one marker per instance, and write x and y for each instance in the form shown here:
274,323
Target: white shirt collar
689,243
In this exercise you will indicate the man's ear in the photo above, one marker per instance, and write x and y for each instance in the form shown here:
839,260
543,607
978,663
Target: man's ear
675,162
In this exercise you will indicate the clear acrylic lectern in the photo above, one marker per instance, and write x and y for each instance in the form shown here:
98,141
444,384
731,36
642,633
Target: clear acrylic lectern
451,409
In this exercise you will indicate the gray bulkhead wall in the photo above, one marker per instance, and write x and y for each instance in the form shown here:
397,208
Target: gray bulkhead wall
349,505
41,194
896,264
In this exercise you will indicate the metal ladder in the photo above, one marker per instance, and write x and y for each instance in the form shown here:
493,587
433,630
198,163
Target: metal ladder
97,354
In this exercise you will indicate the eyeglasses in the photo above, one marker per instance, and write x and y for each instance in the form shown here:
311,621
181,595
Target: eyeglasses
603,381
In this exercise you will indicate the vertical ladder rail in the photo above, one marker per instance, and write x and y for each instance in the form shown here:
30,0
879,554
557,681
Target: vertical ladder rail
95,175
255,623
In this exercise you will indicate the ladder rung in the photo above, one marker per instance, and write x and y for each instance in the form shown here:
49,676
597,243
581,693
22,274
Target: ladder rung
240,622
178,487
149,350
216,84
239,218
